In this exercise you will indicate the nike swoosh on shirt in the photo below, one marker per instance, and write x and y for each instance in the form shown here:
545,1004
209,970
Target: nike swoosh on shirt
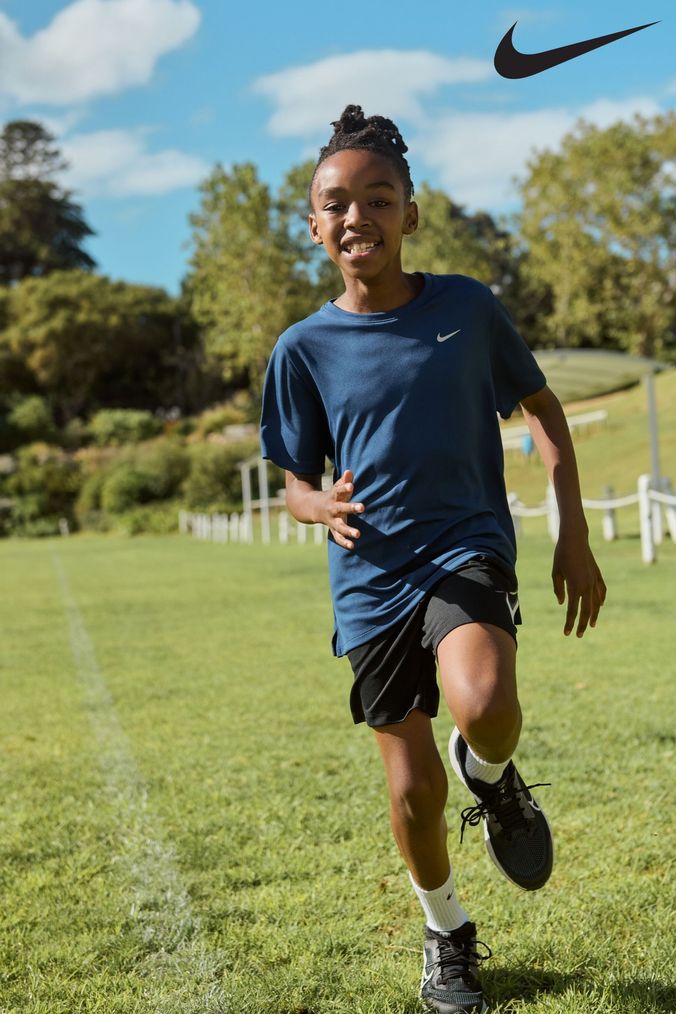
509,62
442,338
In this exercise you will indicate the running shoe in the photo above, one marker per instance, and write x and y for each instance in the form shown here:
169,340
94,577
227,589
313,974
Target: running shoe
449,983
517,835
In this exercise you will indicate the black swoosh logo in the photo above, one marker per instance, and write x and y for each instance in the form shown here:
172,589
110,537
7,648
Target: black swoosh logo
509,62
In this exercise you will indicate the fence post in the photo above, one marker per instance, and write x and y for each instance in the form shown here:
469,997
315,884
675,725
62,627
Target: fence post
301,533
183,522
234,527
283,527
513,501
552,512
645,514
319,534
670,508
609,517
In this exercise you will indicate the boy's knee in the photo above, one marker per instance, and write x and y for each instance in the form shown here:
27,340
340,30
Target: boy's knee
493,722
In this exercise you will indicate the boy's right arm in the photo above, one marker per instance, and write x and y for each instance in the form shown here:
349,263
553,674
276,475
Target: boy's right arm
309,503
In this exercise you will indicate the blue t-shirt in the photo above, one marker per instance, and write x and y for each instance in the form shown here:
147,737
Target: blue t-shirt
408,400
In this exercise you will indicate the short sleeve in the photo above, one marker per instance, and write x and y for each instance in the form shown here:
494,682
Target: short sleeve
516,374
294,430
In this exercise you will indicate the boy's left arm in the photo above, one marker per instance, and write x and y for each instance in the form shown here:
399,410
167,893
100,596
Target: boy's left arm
575,570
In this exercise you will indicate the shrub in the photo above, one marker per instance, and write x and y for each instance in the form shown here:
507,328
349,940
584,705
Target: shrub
125,487
166,463
32,419
153,471
123,426
153,519
214,480
44,486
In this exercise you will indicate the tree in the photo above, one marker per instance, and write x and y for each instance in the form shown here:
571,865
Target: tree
242,273
599,223
41,227
86,342
450,241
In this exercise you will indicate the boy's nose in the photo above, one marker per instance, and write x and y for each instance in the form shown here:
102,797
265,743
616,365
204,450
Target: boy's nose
356,215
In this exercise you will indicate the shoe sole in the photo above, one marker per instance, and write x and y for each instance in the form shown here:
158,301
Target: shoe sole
435,1010
455,764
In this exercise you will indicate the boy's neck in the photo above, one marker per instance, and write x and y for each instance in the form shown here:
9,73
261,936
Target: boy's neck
378,296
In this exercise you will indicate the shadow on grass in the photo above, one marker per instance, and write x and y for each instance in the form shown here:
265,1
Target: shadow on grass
507,986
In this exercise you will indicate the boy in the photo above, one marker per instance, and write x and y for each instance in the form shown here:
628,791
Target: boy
399,381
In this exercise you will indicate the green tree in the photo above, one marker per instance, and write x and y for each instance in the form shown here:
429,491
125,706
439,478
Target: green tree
242,273
86,342
599,223
448,240
41,228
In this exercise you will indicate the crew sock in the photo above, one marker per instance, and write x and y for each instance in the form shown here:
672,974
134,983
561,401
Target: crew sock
476,767
441,907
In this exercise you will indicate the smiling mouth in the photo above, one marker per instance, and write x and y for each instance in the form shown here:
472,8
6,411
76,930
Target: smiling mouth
362,248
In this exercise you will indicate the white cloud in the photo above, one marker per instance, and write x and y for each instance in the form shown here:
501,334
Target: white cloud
389,82
476,155
116,163
92,48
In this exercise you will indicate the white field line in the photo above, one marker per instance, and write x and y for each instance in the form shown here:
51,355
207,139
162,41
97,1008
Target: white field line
158,900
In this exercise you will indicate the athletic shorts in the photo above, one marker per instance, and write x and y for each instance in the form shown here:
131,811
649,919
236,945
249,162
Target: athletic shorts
396,671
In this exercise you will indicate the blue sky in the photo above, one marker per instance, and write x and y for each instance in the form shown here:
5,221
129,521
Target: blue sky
145,96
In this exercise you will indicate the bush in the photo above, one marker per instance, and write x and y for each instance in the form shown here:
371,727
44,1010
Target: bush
119,426
153,471
125,487
153,519
44,488
215,480
32,419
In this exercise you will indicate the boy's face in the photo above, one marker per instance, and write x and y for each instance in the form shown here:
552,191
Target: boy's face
360,213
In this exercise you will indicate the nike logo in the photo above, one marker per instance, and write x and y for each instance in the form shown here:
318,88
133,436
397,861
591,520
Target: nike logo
442,338
509,62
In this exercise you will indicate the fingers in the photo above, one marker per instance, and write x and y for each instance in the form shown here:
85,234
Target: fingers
340,508
559,587
571,612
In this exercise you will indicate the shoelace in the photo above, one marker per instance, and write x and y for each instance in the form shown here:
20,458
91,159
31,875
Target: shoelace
456,960
502,804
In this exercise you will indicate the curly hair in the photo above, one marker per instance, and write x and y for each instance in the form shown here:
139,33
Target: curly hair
372,133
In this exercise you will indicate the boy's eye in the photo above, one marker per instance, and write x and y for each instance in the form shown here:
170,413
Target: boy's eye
339,207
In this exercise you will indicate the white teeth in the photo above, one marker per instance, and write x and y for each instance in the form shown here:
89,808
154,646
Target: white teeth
362,247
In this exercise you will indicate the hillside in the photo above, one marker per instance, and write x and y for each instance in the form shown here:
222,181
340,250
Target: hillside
612,453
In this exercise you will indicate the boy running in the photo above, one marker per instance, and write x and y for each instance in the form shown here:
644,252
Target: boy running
398,382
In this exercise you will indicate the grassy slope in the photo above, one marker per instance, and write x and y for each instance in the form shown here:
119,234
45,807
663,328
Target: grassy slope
612,453
219,667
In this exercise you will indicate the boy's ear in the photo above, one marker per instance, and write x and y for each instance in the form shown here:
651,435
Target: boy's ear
314,231
410,219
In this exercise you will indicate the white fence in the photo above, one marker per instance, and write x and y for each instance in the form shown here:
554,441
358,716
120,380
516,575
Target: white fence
653,500
655,507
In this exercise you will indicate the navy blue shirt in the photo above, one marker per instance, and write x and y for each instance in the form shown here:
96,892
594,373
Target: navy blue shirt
408,400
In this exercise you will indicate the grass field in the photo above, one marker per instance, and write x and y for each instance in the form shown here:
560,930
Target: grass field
192,824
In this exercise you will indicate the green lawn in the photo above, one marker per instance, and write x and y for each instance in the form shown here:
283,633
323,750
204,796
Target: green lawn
191,822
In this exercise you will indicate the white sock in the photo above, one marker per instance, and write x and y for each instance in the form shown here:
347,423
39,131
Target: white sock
476,767
441,907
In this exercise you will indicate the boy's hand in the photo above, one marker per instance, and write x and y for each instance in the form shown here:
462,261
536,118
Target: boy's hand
576,572
336,505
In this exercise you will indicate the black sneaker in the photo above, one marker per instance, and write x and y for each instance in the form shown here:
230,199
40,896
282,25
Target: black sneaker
449,983
517,835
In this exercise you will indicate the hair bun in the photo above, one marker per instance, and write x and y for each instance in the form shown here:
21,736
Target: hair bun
351,121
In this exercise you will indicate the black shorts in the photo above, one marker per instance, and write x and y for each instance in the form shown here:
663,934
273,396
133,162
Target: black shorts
396,671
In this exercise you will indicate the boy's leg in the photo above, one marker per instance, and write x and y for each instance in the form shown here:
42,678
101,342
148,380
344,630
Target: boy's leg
418,788
477,663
